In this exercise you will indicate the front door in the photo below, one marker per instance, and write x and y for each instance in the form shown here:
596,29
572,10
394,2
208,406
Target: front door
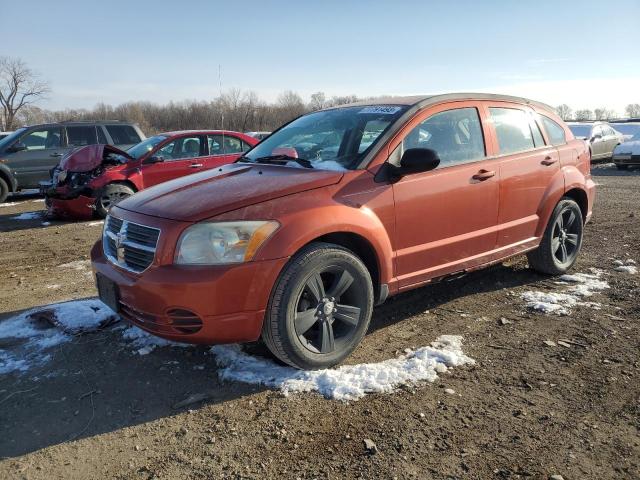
446,218
179,157
44,148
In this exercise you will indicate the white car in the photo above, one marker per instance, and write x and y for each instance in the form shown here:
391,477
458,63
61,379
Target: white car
627,153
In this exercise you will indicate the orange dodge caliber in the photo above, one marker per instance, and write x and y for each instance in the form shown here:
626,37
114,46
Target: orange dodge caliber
339,209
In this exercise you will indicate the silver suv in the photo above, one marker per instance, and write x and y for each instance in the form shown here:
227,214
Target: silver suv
603,139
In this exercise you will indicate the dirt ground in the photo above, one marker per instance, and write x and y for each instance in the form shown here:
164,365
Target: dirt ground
525,410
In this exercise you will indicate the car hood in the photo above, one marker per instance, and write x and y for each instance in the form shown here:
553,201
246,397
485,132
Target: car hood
632,148
207,194
86,159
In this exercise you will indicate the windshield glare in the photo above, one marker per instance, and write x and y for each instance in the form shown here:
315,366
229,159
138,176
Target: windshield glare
6,141
332,139
140,149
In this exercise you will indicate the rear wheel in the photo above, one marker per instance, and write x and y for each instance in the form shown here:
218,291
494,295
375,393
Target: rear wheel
111,195
4,190
561,242
320,307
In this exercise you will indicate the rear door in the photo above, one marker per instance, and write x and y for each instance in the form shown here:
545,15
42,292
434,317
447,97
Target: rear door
445,218
527,165
179,157
611,140
43,152
598,143
223,149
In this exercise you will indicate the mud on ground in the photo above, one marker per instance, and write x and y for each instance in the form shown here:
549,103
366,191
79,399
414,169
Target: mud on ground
527,409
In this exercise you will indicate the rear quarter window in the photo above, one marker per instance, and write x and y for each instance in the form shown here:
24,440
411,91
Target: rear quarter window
123,134
554,131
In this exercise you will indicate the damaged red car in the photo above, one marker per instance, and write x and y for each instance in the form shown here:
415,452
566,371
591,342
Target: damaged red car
92,179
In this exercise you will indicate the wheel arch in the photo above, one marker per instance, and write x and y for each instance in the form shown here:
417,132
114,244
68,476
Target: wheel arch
5,174
579,196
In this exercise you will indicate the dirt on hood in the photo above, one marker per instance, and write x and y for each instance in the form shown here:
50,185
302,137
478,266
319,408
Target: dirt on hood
88,158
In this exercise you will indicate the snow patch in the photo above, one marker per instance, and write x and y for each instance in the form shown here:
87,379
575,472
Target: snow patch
10,204
321,165
349,382
29,334
28,216
625,266
144,342
581,285
94,224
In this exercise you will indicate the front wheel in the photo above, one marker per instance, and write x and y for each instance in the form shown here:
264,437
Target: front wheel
111,195
320,307
561,242
4,190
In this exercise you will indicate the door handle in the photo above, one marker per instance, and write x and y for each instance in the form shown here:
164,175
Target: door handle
55,154
483,175
548,161
195,165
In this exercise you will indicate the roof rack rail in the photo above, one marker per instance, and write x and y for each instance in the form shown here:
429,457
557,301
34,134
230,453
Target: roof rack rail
91,121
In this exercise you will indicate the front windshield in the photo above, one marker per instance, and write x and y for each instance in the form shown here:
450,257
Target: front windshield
8,140
334,139
140,149
581,130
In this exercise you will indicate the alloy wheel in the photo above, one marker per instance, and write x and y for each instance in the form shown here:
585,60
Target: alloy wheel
565,239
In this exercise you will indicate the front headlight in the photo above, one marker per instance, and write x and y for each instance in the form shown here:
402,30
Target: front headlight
218,243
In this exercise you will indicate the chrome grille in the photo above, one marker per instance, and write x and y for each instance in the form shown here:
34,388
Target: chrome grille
129,245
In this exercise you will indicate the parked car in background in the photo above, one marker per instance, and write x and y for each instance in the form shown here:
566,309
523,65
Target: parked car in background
28,154
259,135
601,136
628,153
627,129
92,179
339,209
4,134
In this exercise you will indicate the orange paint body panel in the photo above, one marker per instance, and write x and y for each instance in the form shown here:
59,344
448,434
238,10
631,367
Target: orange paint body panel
412,230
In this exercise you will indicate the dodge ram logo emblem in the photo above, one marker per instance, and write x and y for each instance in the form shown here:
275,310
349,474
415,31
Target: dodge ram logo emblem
120,239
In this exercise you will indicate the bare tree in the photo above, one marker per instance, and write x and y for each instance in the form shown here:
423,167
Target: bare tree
633,110
564,111
318,101
584,114
603,113
19,87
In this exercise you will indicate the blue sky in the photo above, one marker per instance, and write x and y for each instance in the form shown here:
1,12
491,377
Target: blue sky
115,50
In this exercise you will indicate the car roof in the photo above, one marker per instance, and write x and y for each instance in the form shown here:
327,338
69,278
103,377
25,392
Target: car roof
79,122
422,101
176,133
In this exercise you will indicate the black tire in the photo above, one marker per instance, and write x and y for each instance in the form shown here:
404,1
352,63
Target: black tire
4,190
619,166
109,196
561,241
303,326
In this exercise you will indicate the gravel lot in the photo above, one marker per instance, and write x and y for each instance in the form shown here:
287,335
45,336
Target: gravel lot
529,408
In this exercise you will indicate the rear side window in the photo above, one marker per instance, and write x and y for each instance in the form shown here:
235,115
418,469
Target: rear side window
102,139
456,135
226,144
81,136
554,131
123,134
512,129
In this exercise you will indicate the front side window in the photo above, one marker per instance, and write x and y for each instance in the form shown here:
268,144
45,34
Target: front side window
336,139
43,138
512,129
456,135
186,147
81,136
554,131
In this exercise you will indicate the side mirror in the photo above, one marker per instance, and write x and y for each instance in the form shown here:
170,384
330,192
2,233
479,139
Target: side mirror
154,159
418,160
17,147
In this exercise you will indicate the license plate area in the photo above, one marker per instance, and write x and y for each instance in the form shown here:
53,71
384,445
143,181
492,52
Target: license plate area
108,292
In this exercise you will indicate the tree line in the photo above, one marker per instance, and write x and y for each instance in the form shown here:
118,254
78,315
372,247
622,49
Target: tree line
632,110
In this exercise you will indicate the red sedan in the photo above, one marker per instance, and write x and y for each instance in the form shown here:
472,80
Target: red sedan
92,179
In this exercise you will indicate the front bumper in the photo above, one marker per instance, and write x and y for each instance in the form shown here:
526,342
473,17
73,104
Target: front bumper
66,203
626,159
228,302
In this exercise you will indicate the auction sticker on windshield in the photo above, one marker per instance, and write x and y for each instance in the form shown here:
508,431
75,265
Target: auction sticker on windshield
384,109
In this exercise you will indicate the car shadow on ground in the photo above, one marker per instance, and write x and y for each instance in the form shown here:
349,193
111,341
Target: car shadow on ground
98,383
33,219
610,170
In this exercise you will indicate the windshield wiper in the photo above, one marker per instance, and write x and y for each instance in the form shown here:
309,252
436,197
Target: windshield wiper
278,159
